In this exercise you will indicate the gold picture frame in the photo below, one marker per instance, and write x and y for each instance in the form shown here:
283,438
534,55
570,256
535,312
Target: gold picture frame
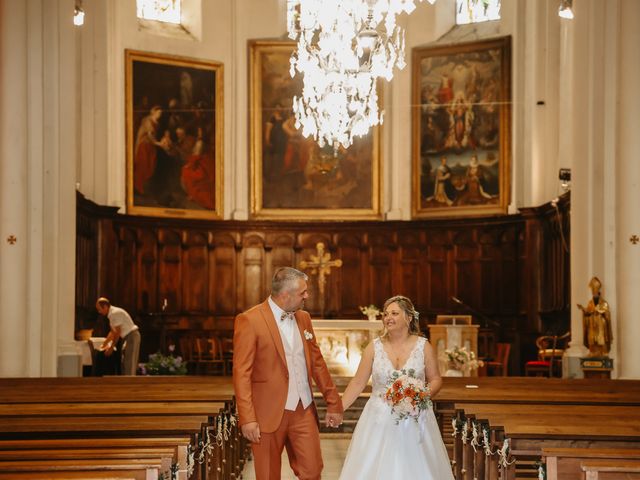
174,136
291,176
461,137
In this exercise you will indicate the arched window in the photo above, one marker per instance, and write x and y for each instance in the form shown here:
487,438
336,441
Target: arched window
475,11
168,11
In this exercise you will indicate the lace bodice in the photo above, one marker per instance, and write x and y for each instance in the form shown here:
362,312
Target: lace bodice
383,368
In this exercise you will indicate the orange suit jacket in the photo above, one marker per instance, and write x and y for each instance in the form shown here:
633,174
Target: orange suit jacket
260,374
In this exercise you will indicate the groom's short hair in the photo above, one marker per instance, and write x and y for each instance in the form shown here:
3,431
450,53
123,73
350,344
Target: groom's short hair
283,279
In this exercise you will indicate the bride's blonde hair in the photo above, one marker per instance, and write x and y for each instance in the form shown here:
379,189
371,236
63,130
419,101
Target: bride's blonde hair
407,307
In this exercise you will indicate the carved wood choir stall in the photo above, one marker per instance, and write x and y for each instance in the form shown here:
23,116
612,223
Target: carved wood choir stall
189,277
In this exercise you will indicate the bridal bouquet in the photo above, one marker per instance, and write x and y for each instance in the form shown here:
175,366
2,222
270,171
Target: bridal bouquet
408,396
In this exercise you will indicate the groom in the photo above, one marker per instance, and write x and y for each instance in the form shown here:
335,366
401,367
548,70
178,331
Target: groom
275,356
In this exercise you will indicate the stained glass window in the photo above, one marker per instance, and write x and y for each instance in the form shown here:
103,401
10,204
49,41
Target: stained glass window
475,11
169,11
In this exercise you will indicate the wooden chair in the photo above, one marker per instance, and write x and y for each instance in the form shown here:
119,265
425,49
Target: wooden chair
550,351
217,354
227,353
186,344
500,364
208,355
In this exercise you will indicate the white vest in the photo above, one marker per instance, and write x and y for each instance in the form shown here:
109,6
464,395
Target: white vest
299,389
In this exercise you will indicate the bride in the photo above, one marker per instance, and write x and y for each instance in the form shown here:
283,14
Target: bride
382,447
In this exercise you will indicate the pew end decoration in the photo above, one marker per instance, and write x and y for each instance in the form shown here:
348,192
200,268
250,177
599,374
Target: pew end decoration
160,364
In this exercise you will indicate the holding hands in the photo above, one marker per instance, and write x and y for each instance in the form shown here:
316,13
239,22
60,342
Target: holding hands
251,431
333,420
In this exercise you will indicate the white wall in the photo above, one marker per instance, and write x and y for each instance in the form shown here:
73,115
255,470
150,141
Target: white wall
585,72
37,177
574,83
627,190
227,25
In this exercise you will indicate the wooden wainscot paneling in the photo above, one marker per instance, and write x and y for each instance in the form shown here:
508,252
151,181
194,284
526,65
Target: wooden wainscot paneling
170,269
512,269
438,277
148,271
195,271
223,272
307,246
466,272
350,285
252,281
409,264
127,271
381,255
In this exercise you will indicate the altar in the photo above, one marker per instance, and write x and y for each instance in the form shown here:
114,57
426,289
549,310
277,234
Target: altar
342,342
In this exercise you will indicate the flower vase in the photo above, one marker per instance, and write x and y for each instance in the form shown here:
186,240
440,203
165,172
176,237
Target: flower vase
372,317
452,372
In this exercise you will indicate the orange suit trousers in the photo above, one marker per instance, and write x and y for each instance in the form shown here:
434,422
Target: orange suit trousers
298,433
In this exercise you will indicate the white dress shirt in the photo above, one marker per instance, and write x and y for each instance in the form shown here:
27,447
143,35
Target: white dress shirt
287,326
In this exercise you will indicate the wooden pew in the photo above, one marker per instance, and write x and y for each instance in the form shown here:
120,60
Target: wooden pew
115,389
179,445
165,454
111,408
611,470
565,463
550,425
521,390
10,427
145,469
21,402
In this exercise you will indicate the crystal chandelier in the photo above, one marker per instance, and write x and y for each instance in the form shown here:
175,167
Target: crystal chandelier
343,47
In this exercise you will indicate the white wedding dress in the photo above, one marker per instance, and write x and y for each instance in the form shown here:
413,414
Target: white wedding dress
383,450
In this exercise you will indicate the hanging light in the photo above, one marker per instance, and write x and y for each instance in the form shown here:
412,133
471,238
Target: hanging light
78,15
565,10
343,47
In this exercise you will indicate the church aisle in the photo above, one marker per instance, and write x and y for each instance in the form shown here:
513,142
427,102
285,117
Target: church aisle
333,452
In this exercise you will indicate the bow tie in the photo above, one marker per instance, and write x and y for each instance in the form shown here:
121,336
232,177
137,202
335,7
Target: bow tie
287,316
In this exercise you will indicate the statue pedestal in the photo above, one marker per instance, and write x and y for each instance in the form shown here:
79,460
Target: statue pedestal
342,342
596,367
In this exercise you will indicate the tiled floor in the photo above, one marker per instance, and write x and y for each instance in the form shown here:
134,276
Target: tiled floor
333,452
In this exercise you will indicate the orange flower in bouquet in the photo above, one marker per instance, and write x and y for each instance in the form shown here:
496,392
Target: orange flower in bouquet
408,396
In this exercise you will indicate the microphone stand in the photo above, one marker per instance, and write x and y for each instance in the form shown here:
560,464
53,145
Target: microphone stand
486,320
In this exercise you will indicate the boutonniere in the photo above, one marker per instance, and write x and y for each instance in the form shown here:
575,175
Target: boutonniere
308,335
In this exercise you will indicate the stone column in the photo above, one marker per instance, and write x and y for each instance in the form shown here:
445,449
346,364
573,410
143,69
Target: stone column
14,213
38,131
571,152
627,191
601,124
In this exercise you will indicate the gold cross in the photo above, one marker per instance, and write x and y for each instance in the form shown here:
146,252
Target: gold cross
321,265
12,239
634,239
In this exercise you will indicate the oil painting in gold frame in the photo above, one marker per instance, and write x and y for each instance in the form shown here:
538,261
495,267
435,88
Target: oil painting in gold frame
174,130
461,129
291,176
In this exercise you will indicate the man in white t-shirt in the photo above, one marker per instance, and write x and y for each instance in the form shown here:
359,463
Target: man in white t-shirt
122,326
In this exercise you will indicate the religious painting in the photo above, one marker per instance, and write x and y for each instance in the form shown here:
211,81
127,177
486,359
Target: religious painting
174,136
292,176
462,129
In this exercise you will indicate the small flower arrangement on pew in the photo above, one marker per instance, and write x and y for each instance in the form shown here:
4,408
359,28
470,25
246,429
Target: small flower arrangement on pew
459,358
371,311
408,396
160,364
